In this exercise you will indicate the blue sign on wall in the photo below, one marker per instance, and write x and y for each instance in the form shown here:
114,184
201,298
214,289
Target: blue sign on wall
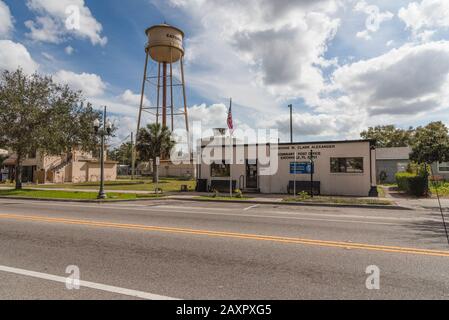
301,168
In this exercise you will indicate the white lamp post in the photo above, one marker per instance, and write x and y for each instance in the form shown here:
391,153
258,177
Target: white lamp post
102,132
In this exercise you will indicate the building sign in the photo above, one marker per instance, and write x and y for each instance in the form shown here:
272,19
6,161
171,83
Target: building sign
302,152
308,147
299,155
301,168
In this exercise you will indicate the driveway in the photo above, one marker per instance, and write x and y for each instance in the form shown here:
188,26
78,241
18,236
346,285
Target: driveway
403,200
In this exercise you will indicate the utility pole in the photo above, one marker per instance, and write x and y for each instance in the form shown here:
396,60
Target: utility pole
291,122
132,150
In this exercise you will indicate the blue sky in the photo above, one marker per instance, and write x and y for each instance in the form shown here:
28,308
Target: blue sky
344,65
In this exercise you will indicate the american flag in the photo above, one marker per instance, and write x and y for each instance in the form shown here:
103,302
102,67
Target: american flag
230,122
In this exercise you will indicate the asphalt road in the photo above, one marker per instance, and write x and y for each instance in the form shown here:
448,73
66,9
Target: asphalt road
197,250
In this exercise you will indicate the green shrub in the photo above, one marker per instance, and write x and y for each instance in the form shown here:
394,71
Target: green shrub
158,190
239,193
413,184
303,195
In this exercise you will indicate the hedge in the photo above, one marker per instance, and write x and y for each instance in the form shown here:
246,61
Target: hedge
413,184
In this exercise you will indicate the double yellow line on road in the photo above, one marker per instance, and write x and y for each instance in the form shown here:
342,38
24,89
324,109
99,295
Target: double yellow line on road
279,239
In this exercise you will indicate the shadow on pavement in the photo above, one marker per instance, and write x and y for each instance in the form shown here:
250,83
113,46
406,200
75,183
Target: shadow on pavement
431,230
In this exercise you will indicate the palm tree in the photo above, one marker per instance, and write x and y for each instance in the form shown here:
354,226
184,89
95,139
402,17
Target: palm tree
152,142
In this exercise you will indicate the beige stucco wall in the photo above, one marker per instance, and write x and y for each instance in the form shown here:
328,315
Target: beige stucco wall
356,184
81,168
79,172
180,170
93,171
349,184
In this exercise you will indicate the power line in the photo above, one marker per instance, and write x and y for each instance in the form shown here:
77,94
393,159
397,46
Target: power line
121,142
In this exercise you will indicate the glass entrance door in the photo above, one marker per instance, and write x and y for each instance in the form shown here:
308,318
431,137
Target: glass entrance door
251,174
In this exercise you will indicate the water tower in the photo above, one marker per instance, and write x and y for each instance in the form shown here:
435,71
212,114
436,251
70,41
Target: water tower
164,77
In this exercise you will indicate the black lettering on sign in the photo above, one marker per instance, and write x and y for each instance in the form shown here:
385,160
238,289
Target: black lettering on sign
172,36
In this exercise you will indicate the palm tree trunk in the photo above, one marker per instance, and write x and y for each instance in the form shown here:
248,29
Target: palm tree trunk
155,173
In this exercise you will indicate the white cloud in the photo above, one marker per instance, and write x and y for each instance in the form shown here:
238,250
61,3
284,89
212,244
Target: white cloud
6,20
14,55
210,117
115,106
259,52
90,84
286,59
410,80
374,20
315,126
44,29
133,99
425,16
125,125
50,24
364,35
69,50
263,53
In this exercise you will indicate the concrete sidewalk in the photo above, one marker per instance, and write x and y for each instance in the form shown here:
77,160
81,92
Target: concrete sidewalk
406,201
274,199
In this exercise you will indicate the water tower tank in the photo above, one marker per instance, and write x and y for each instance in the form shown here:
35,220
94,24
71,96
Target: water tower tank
165,43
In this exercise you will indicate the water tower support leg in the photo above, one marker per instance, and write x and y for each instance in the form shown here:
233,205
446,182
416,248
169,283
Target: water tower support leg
158,91
171,98
171,91
164,94
186,115
139,119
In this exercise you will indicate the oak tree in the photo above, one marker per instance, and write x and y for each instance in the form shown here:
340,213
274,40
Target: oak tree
38,114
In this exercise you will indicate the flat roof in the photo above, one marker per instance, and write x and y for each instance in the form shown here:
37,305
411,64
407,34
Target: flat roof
398,153
371,142
328,142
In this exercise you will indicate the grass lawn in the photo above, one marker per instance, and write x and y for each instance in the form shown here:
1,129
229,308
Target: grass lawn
166,184
338,200
381,192
441,187
394,185
71,195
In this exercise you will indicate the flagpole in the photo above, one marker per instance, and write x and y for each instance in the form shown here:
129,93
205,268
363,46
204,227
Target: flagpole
231,150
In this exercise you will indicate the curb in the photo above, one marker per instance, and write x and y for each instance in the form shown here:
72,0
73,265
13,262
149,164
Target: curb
299,204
